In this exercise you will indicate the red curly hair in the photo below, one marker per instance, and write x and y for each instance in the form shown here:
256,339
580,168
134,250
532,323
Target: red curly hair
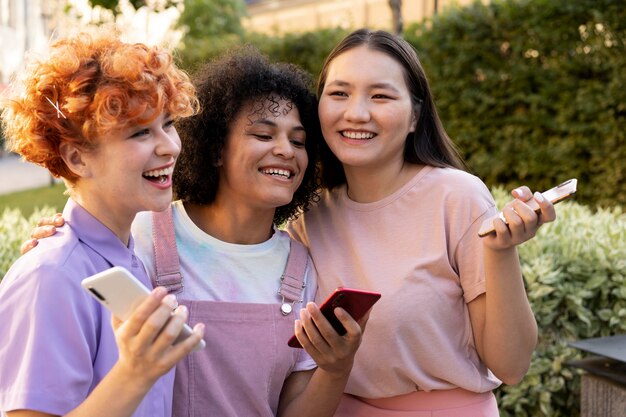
99,84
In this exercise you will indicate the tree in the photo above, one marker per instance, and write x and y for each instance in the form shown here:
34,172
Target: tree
114,5
396,14
209,26
205,18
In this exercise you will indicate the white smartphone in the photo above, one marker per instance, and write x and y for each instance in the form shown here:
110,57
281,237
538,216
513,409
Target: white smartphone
120,292
554,195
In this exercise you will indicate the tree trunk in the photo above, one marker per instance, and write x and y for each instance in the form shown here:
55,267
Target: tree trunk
396,14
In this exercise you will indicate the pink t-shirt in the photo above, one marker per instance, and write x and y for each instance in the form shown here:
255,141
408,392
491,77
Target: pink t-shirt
420,248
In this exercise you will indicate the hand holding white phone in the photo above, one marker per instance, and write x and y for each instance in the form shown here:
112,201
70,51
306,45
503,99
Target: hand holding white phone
554,195
120,292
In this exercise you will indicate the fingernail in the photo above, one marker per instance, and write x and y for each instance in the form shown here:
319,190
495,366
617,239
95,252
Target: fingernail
539,197
159,291
170,301
517,192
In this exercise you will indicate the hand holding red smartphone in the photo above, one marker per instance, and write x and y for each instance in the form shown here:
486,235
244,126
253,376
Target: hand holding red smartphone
354,302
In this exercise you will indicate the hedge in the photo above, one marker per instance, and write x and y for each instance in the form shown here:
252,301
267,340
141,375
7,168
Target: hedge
575,274
534,91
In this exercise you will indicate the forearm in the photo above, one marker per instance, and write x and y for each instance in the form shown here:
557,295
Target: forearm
319,398
510,329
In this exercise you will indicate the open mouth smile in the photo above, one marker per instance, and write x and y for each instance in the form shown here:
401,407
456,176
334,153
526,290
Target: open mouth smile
278,172
159,175
357,135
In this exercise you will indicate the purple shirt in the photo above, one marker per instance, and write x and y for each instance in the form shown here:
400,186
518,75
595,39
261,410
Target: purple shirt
56,341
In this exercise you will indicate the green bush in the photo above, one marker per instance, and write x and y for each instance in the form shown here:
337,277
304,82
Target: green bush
308,50
575,273
533,91
14,230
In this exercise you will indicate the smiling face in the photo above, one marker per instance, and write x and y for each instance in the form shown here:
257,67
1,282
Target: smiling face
365,109
264,157
129,171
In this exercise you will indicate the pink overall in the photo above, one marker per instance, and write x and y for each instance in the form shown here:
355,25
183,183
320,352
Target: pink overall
242,370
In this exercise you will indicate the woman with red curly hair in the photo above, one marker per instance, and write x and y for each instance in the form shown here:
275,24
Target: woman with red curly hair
98,113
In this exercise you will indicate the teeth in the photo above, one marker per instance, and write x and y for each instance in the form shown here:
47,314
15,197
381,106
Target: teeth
159,172
275,171
358,135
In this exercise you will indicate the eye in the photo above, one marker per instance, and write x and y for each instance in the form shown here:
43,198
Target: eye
337,94
262,137
298,143
140,133
168,124
381,96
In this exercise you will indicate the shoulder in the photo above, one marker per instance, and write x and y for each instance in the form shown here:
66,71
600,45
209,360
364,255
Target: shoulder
330,203
457,181
48,280
458,187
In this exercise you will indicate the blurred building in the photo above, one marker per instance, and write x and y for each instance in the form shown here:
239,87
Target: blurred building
25,25
281,16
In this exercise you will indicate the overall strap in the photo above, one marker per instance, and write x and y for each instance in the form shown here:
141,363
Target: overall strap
165,252
292,281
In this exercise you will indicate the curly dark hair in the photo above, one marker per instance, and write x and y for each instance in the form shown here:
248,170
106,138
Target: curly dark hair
224,87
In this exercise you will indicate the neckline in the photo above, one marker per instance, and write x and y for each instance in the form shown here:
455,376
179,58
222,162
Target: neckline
181,214
375,205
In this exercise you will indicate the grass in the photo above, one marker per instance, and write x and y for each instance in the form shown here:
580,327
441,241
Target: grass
29,200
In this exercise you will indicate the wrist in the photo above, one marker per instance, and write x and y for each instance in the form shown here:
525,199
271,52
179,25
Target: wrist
134,383
338,373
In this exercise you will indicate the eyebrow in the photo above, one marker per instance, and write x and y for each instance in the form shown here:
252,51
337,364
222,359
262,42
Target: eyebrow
381,85
270,123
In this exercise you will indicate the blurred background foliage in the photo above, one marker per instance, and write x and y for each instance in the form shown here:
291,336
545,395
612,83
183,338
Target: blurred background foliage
532,91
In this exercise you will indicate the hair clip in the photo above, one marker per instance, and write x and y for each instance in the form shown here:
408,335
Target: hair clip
56,106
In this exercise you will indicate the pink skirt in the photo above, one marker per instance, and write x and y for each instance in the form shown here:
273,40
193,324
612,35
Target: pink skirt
451,403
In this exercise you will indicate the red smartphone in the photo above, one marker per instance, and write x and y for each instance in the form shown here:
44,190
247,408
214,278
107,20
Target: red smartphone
355,302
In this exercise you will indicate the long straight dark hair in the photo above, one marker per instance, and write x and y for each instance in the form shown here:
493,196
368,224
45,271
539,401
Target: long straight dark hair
429,144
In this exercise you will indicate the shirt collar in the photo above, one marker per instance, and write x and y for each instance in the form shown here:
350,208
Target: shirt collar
97,236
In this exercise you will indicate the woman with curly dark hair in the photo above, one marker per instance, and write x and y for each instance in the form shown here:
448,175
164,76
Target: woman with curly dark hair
247,166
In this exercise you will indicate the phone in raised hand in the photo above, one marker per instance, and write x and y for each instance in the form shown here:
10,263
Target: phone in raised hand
554,195
121,292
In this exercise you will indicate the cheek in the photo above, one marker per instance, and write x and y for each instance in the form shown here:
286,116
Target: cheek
327,111
303,159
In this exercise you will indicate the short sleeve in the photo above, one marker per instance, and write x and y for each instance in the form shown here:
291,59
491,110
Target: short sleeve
47,340
468,254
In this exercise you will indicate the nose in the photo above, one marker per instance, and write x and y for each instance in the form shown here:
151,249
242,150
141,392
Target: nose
357,110
168,143
283,147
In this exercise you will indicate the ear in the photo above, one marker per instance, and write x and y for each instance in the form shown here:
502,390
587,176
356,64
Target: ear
414,119
75,159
